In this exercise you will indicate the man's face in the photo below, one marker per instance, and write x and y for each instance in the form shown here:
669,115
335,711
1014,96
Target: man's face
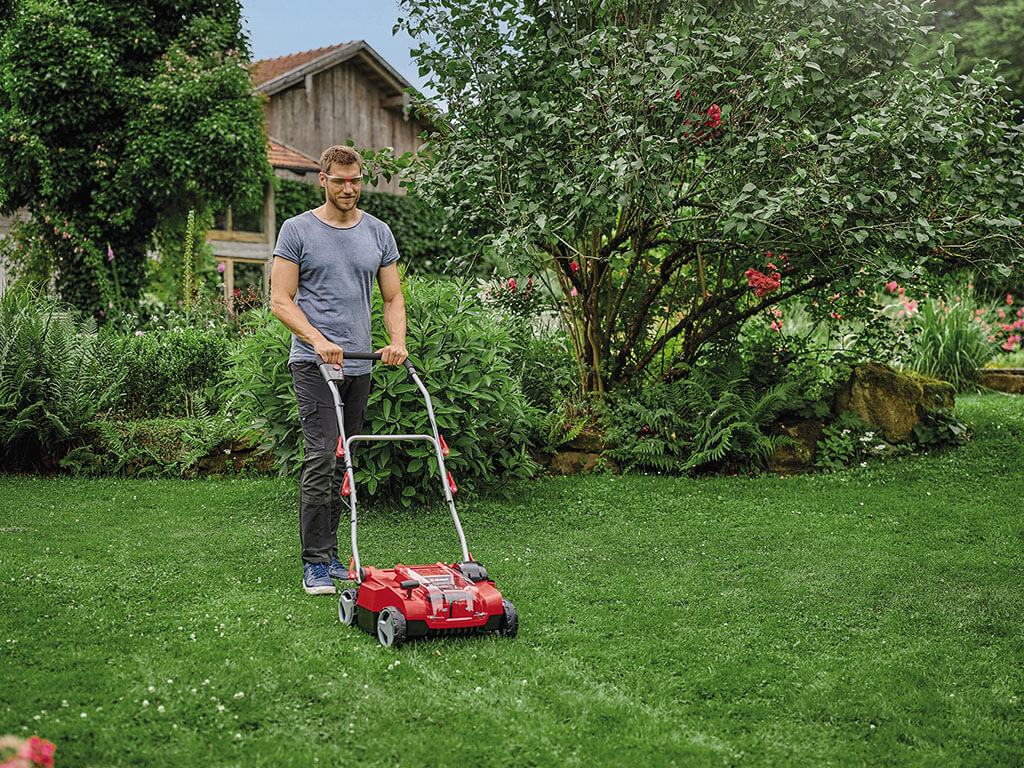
343,184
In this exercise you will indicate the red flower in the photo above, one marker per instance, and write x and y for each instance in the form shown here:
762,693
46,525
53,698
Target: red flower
574,267
714,116
679,95
39,751
511,283
761,283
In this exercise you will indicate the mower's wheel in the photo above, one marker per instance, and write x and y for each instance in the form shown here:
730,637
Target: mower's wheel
391,628
347,607
510,621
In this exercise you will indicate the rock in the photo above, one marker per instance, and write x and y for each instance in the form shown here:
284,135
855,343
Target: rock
1009,380
573,462
799,456
587,441
890,401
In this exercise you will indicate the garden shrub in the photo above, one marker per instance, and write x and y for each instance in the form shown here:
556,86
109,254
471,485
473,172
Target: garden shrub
846,441
713,418
150,447
541,357
171,372
258,387
55,376
460,351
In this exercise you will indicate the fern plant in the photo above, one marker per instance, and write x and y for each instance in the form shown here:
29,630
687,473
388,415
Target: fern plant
711,417
55,376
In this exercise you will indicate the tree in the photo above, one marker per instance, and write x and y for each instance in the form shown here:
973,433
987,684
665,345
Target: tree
680,168
992,29
117,116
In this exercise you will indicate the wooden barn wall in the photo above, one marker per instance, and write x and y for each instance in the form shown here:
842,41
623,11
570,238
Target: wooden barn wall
345,104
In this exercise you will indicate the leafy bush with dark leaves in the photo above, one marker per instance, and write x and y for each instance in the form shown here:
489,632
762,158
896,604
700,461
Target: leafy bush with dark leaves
171,372
461,352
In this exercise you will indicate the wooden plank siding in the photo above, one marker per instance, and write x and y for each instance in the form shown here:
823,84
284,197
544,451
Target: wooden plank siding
343,104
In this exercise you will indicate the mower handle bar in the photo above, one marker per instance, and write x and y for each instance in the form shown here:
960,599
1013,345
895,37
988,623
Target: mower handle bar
366,356
333,372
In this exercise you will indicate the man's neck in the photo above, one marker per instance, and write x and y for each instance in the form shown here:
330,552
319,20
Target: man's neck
330,215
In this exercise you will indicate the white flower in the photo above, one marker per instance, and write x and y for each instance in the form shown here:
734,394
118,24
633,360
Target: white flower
145,702
161,709
151,688
239,695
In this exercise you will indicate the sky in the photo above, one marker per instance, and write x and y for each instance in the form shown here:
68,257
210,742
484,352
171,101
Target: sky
278,28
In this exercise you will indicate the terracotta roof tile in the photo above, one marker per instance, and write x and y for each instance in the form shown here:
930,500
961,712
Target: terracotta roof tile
283,156
266,70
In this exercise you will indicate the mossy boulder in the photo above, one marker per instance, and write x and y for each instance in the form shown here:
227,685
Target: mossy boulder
892,401
797,455
1010,380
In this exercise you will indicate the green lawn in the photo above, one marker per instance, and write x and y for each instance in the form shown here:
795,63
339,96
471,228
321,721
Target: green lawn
864,618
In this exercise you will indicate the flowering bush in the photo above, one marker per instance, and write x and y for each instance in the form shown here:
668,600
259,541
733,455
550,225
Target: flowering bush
652,185
848,441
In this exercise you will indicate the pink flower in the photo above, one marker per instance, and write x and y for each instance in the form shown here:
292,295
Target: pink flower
892,286
1009,298
776,325
1001,313
511,283
39,751
574,292
835,315
110,253
902,291
910,307
220,267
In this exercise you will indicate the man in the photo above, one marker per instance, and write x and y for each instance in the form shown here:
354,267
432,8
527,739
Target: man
325,262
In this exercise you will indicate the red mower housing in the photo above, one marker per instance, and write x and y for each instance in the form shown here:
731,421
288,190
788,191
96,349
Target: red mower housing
410,601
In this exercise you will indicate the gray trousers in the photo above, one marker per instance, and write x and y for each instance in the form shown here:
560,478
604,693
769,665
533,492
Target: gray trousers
320,500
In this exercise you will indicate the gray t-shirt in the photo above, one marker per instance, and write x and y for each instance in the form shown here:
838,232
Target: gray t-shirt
337,267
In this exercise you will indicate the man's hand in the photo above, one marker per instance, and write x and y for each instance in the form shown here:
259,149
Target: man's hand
393,354
329,351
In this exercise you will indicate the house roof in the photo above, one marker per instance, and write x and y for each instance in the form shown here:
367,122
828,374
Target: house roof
273,75
265,70
283,156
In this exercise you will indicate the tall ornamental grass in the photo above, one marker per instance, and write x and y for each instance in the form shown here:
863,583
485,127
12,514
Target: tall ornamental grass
951,339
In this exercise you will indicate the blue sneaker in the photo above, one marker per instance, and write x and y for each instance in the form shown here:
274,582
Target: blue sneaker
336,570
316,580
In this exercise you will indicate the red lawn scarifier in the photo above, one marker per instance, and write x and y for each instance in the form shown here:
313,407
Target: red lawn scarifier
410,601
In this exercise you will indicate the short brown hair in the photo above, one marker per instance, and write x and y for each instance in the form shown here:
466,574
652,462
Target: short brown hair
340,154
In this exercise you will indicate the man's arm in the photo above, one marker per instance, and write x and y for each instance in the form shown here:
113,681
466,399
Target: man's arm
394,315
284,282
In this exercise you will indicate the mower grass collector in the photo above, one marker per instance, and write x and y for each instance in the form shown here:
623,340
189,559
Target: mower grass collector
411,601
